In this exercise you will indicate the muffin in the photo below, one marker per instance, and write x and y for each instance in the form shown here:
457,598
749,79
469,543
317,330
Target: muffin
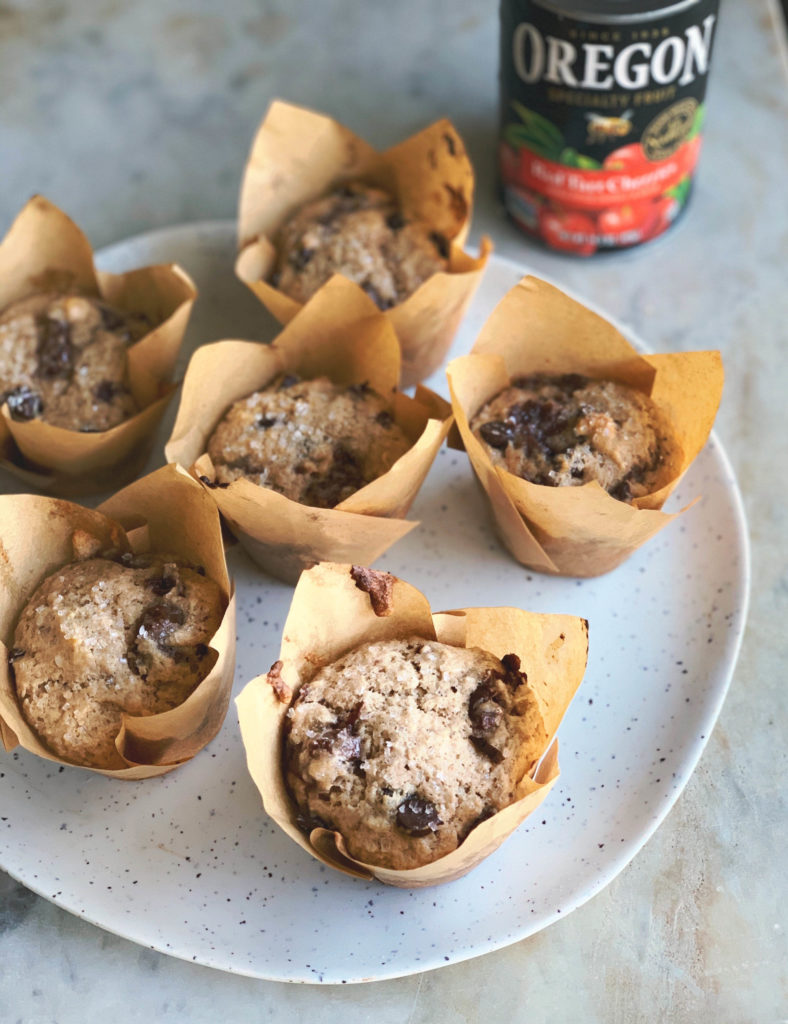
576,437
404,745
569,430
313,441
63,359
362,233
103,638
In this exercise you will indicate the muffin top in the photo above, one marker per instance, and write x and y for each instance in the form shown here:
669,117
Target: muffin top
63,359
102,638
569,430
360,232
403,746
313,441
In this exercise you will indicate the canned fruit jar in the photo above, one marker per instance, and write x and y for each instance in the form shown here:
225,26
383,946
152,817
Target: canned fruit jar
602,108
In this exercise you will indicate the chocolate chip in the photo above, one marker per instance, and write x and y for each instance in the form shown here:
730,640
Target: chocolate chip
483,709
395,221
441,243
300,257
622,491
513,677
107,390
379,586
486,748
54,349
288,381
212,484
376,297
15,654
201,650
264,422
572,381
496,433
308,822
360,389
159,621
343,477
160,585
384,419
457,202
418,816
24,404
111,319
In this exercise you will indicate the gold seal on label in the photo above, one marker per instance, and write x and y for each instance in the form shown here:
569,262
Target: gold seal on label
669,129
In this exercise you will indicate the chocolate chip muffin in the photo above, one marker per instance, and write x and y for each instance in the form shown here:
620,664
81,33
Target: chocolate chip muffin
360,232
403,746
313,441
102,638
63,359
570,430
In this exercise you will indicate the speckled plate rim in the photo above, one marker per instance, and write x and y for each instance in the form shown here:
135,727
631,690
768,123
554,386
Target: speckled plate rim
221,234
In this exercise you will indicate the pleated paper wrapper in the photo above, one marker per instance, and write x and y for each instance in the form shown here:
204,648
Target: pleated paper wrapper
299,155
577,531
341,334
45,251
165,511
329,616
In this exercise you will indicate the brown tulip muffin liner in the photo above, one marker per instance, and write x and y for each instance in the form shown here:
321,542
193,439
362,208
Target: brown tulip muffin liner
577,531
299,155
165,511
340,334
331,615
45,251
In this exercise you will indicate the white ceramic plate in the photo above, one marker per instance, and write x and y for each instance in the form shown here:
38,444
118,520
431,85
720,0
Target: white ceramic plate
190,865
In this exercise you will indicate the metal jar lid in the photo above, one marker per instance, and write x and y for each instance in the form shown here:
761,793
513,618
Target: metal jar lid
616,11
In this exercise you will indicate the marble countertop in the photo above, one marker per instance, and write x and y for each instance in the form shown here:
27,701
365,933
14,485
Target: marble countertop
132,117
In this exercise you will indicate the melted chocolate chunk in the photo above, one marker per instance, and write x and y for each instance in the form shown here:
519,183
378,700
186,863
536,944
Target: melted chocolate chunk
379,586
111,319
375,295
201,650
212,484
384,419
513,677
308,822
55,351
15,654
497,434
418,816
107,390
360,389
24,404
159,621
300,257
160,585
344,476
264,422
441,243
395,221
486,748
484,710
572,382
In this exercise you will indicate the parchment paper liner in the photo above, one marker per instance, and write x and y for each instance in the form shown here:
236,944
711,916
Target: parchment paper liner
45,251
299,155
576,531
165,511
339,333
328,616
